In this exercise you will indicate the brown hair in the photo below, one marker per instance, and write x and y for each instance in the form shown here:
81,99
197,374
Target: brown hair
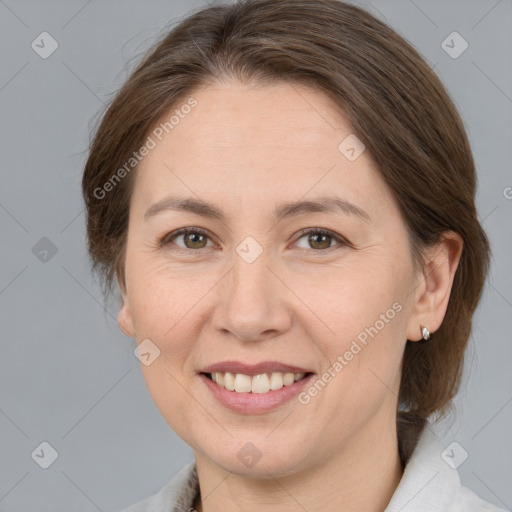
394,103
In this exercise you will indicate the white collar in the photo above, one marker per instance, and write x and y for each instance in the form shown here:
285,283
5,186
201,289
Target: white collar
429,483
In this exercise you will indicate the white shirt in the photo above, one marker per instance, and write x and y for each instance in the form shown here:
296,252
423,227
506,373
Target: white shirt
428,484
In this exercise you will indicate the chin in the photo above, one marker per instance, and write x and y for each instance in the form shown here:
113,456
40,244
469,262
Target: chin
259,459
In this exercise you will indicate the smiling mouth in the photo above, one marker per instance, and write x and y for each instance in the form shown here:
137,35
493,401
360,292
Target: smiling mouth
261,383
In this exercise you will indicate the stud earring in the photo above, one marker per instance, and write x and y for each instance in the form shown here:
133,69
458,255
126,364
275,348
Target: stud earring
425,333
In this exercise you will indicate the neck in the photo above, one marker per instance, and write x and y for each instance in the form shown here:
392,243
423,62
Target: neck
362,476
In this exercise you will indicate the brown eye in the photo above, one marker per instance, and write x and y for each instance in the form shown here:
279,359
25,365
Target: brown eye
192,239
196,240
320,240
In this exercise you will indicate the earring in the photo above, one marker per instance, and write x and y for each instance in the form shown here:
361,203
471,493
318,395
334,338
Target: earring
425,333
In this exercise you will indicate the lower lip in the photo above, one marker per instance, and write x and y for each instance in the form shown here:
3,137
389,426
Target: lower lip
254,403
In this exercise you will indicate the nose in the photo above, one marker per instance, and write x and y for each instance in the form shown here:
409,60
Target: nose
254,303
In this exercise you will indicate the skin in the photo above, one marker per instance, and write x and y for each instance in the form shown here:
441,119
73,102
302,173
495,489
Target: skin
246,149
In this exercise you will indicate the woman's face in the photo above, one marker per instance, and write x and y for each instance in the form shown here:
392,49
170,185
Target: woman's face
249,291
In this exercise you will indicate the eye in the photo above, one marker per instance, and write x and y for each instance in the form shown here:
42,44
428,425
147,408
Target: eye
196,238
321,239
193,238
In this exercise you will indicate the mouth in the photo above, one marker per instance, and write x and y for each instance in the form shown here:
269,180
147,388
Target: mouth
259,384
254,388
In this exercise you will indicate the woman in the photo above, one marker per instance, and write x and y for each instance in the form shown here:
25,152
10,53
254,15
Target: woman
284,192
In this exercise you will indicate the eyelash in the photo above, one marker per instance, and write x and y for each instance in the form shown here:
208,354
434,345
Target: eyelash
167,239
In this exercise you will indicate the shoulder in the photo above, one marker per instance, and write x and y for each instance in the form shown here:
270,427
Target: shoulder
430,483
179,492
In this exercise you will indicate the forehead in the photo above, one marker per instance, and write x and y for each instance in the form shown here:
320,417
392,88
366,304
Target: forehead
264,143
233,115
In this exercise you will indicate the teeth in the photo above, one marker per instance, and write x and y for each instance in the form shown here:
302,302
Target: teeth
261,383
242,383
288,379
276,381
229,380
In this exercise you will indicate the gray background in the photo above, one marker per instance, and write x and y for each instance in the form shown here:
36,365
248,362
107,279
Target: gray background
68,376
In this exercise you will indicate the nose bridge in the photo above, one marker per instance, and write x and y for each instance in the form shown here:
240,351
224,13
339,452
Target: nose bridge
251,305
250,273
249,277
249,282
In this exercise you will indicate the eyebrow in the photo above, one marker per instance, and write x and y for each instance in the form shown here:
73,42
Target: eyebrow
328,204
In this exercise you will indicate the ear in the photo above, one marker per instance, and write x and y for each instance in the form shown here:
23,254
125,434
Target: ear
124,317
434,285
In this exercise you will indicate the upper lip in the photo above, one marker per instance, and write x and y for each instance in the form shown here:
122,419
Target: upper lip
253,369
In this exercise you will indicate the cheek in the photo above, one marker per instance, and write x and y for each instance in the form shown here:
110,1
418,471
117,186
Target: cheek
158,294
366,310
163,312
170,306
365,291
